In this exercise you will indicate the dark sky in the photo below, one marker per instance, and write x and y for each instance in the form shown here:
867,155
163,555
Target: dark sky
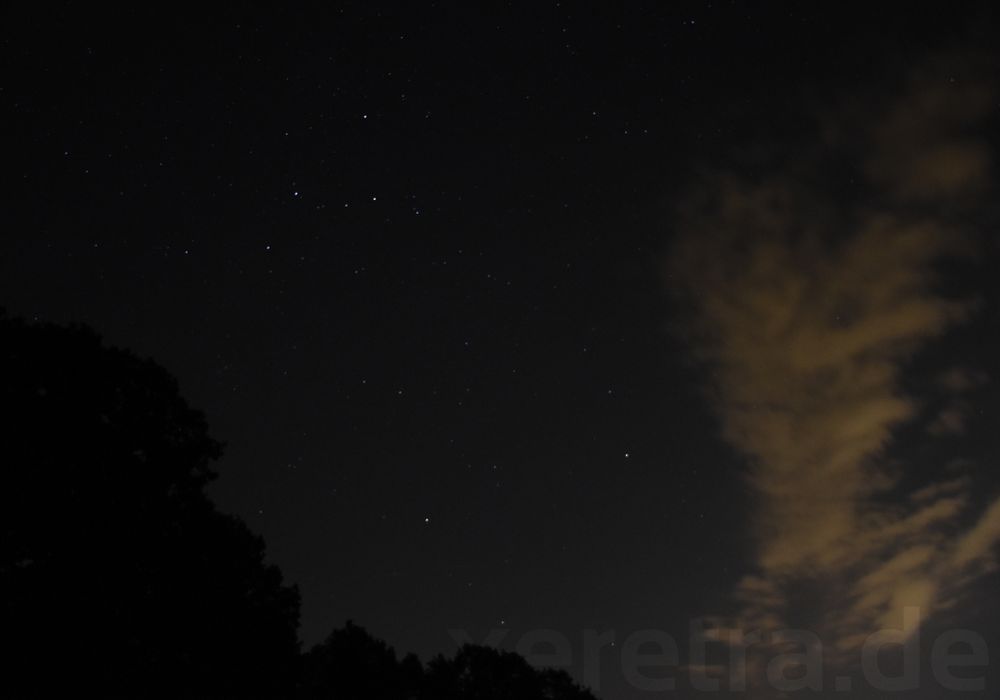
413,260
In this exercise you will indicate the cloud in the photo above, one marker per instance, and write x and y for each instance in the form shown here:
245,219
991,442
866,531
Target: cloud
805,312
934,115
961,379
976,544
949,421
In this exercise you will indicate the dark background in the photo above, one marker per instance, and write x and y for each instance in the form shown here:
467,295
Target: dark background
408,259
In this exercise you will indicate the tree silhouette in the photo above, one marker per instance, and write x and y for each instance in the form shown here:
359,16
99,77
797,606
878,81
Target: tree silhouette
118,577
484,673
352,665
117,574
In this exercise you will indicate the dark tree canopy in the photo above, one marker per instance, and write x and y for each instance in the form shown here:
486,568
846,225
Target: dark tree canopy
118,577
353,665
117,573
485,673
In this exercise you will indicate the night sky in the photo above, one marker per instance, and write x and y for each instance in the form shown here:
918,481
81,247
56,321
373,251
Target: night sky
546,315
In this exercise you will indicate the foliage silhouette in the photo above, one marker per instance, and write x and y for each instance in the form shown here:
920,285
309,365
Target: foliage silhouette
484,673
119,578
111,556
353,665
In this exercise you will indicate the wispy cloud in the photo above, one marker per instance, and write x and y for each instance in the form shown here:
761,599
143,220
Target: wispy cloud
805,312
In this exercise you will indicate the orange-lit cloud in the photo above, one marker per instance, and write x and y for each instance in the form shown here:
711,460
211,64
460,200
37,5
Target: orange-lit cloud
804,312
